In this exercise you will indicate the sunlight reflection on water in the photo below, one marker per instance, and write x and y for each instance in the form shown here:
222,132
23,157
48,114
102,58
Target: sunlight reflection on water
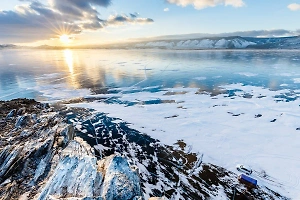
24,71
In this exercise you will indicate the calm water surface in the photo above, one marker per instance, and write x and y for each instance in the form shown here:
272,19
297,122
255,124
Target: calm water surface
24,72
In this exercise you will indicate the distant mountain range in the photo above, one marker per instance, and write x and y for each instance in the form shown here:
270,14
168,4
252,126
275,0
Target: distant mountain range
232,42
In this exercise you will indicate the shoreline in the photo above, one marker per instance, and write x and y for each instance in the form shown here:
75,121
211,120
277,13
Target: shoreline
173,169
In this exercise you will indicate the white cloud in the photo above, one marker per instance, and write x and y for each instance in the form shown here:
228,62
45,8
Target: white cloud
200,4
38,21
166,9
294,6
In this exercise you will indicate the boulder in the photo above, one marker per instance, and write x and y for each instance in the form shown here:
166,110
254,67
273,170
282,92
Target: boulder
120,180
78,175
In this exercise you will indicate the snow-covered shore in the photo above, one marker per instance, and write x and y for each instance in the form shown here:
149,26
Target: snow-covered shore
43,157
242,124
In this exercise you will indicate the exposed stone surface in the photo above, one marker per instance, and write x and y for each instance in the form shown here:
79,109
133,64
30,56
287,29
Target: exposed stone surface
120,181
28,146
41,159
78,176
75,174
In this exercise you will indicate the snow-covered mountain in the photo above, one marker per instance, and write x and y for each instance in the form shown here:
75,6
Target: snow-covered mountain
276,43
206,43
234,42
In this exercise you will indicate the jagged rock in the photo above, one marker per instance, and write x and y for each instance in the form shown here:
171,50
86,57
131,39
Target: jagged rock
11,114
22,121
21,111
34,117
25,133
45,105
2,123
78,176
28,156
41,168
66,134
7,158
120,181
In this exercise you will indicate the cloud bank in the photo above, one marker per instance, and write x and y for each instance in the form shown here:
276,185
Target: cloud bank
34,20
294,6
200,4
125,19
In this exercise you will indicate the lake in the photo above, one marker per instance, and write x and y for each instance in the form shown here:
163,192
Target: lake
24,72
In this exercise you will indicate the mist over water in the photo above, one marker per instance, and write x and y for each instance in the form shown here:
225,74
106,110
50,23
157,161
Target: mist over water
25,73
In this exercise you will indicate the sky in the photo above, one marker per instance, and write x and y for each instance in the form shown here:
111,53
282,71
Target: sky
81,22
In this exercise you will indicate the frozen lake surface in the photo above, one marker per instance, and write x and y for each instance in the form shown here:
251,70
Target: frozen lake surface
29,73
232,106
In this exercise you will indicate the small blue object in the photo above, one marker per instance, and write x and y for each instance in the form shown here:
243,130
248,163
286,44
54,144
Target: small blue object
248,179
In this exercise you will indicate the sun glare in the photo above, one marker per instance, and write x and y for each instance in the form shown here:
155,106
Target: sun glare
65,39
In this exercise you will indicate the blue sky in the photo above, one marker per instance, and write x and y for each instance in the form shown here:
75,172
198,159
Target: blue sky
105,21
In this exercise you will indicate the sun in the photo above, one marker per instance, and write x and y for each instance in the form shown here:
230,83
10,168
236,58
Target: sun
65,39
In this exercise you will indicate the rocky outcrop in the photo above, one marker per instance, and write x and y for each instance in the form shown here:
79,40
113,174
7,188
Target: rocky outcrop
30,140
79,176
75,174
120,180
41,159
